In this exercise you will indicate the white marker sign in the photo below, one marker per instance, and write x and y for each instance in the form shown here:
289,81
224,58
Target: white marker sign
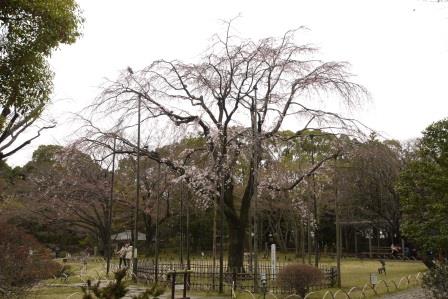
273,261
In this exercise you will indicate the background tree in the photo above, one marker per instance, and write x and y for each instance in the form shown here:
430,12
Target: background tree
29,31
423,189
373,168
64,188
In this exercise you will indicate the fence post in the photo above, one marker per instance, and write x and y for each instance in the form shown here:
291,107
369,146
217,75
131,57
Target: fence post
333,274
234,278
173,284
185,284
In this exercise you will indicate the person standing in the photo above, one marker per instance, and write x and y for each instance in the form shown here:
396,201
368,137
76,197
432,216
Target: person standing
122,255
128,255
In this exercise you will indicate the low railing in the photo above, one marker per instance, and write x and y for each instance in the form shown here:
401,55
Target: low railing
205,277
381,288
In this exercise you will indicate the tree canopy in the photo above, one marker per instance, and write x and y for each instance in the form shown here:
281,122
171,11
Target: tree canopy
29,31
238,98
423,190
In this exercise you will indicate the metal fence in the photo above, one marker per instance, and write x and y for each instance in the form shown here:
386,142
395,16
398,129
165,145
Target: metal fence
204,275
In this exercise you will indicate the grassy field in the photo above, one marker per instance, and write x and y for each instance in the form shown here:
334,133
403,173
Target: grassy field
355,272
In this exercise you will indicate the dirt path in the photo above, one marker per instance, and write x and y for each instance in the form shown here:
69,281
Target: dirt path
416,293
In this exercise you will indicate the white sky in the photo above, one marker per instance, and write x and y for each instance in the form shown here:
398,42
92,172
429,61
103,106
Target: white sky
398,50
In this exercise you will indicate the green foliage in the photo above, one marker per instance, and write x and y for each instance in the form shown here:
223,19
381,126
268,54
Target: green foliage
46,153
373,169
423,188
29,31
435,281
8,176
118,289
114,290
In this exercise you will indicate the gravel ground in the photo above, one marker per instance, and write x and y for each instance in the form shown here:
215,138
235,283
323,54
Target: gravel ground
411,294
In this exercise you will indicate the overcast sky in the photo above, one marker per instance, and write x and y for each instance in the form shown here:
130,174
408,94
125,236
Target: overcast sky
398,50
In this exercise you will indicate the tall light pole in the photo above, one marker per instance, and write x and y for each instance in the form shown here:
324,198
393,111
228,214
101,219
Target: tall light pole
221,226
187,233
338,226
316,218
109,208
156,268
308,229
214,243
256,149
137,197
181,223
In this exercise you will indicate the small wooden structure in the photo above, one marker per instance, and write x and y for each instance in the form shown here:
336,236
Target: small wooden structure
184,286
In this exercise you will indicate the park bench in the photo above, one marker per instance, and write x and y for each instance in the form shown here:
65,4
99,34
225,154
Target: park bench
377,252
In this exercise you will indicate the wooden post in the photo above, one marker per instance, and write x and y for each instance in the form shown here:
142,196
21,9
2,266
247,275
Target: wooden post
338,247
109,220
181,224
370,244
156,268
221,231
256,157
173,285
402,248
316,218
296,237
302,240
308,228
187,206
137,197
214,246
185,285
377,238
338,229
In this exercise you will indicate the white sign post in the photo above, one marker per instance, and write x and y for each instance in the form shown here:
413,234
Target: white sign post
373,279
273,261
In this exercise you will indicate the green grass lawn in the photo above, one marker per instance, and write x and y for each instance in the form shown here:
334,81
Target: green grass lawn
355,272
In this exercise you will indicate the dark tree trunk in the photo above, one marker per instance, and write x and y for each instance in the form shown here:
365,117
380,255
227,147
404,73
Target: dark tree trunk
149,229
237,223
103,238
237,236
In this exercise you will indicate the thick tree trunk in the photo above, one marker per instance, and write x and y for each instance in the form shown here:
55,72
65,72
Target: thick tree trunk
103,240
237,224
237,236
149,229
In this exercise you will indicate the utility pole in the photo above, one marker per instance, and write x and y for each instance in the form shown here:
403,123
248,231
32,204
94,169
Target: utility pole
181,223
156,268
316,218
338,227
109,220
302,239
221,226
308,230
137,198
256,150
214,243
187,207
